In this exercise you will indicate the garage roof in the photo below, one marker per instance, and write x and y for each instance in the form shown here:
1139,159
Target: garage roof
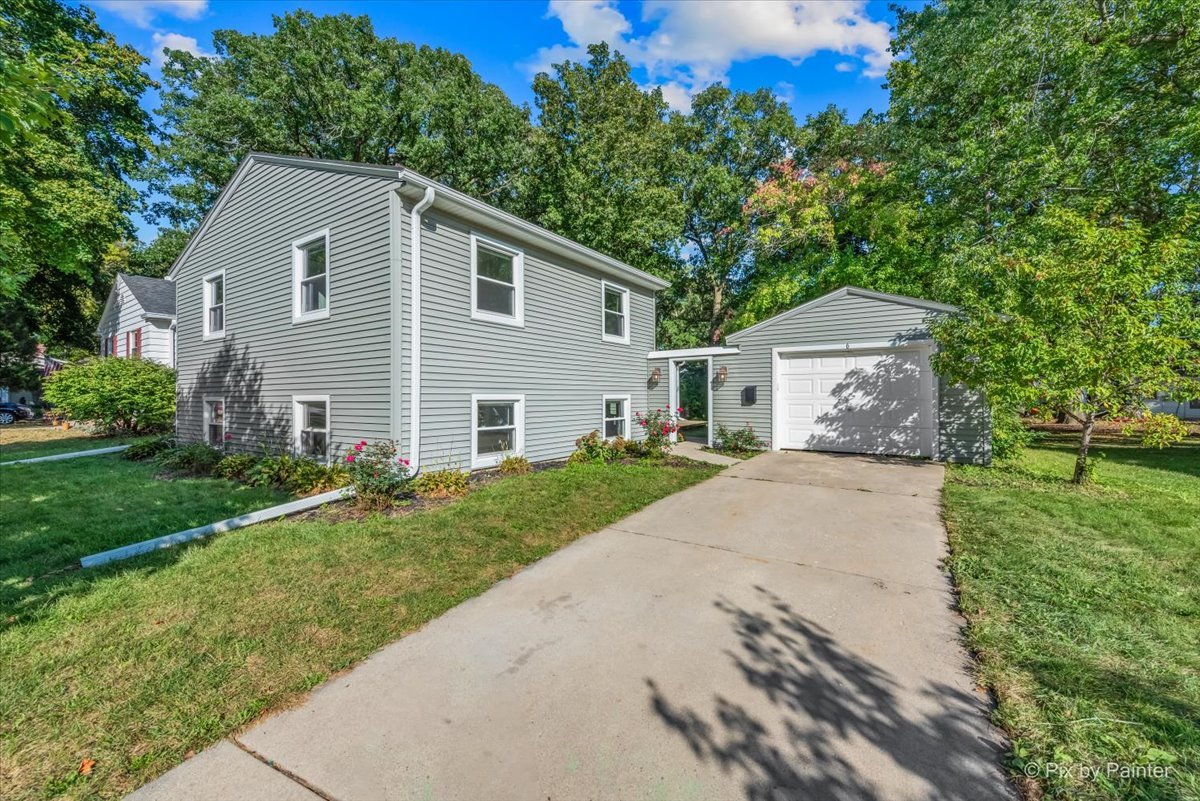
904,300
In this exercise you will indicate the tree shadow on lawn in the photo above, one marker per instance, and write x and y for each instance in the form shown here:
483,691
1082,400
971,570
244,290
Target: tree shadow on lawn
1182,458
835,708
38,550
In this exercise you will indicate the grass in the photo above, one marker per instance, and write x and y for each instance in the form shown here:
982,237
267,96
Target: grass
1083,607
142,663
53,513
28,440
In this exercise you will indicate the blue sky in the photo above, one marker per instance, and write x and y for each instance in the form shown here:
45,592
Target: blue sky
810,54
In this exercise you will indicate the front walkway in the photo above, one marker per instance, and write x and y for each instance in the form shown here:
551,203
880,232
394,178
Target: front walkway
781,631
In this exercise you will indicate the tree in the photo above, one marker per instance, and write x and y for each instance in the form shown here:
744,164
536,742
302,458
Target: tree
64,176
18,347
1088,317
598,160
1002,109
1013,121
329,87
834,214
118,395
722,151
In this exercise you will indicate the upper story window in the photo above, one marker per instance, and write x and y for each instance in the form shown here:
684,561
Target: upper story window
214,304
310,277
616,313
497,282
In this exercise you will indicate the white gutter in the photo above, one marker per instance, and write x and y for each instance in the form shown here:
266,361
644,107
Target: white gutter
171,540
414,404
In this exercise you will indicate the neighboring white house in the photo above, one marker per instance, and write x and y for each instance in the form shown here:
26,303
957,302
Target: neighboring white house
139,319
1184,410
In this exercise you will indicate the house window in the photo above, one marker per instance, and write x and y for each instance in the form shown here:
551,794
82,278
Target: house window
214,305
497,282
311,424
310,271
616,416
137,343
106,348
499,428
616,313
214,422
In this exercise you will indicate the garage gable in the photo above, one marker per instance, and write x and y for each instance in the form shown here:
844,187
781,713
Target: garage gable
849,371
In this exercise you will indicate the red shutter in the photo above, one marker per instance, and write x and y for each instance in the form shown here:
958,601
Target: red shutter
128,352
112,351
137,342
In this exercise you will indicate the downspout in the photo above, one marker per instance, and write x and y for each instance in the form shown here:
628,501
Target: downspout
414,402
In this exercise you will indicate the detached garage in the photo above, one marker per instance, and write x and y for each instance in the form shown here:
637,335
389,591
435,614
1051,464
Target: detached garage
848,372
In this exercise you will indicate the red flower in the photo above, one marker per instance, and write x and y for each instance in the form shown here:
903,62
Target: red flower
349,457
358,447
228,436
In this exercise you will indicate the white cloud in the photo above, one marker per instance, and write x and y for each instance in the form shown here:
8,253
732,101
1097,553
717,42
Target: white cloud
693,44
175,41
143,12
786,91
844,66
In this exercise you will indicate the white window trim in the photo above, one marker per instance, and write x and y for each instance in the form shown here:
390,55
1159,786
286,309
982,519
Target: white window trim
297,400
298,314
207,399
607,337
518,320
493,459
604,418
208,332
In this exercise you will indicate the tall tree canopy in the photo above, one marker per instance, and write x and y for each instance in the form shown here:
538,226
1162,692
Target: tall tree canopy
597,170
721,152
329,87
67,158
1054,149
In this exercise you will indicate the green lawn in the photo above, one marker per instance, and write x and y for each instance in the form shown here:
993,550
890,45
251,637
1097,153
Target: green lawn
140,663
1084,608
30,440
53,513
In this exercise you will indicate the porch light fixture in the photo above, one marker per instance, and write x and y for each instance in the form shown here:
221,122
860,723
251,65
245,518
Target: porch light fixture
722,373
656,374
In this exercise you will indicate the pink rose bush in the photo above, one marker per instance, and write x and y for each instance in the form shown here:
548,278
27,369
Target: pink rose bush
377,473
659,425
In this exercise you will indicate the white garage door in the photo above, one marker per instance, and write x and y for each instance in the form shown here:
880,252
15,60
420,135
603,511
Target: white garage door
868,401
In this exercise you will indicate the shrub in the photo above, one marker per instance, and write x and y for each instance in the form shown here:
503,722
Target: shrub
442,483
659,426
515,466
1159,430
591,447
272,471
195,458
1010,435
127,396
742,440
148,449
377,473
310,477
236,467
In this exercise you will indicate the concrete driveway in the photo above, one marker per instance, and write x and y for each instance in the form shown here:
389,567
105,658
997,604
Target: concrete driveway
782,631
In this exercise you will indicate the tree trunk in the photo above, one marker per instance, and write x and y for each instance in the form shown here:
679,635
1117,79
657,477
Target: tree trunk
1081,462
716,322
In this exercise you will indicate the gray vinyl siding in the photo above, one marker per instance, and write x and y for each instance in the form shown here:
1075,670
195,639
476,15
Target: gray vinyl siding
264,358
558,361
851,318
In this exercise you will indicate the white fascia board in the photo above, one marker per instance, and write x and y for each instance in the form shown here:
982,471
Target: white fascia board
692,353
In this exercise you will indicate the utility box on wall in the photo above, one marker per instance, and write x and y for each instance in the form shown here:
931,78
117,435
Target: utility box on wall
749,396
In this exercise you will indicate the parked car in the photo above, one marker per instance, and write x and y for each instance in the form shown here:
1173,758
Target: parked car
12,412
